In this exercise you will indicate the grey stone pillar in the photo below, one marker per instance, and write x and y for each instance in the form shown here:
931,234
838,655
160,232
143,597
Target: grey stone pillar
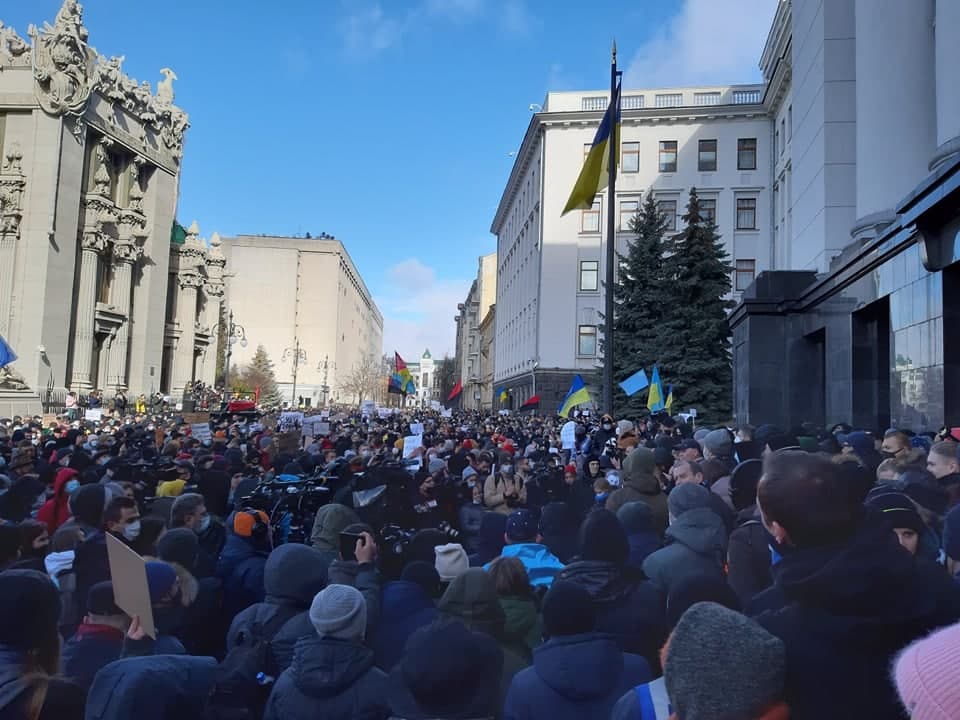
8,251
93,243
124,256
186,321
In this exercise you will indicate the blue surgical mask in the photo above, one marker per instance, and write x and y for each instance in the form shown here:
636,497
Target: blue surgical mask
601,497
71,486
204,524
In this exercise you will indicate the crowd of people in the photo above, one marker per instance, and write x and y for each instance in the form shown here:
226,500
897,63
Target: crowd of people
420,567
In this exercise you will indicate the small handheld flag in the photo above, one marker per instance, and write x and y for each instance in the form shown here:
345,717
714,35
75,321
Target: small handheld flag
577,395
7,355
635,383
668,405
655,396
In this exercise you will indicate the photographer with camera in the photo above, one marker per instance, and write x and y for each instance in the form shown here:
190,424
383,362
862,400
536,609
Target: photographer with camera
501,493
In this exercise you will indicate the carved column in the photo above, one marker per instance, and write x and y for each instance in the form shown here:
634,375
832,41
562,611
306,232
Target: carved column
12,185
93,243
190,282
125,254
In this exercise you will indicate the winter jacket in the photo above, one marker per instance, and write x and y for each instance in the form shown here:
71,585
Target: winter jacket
696,545
155,687
330,679
951,483
638,482
748,556
16,685
522,627
494,497
472,599
293,575
844,612
644,702
241,569
56,511
628,606
541,564
91,565
574,677
721,488
96,646
404,608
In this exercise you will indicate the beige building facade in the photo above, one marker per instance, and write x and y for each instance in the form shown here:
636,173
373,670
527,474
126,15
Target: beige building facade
89,179
303,299
470,315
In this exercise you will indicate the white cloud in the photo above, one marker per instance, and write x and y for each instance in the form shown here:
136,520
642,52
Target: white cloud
368,29
371,30
418,310
708,42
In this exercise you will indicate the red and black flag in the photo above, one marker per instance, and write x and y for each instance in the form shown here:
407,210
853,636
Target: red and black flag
455,393
532,404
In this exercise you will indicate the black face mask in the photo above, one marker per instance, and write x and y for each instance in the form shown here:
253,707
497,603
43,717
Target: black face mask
887,455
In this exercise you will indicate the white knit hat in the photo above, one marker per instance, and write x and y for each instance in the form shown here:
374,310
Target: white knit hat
451,562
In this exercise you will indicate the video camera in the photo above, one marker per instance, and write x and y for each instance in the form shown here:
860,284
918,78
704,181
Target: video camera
291,502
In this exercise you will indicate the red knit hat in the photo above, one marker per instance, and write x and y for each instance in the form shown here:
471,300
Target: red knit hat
570,469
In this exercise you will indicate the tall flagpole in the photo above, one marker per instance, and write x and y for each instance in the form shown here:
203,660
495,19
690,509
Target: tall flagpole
608,348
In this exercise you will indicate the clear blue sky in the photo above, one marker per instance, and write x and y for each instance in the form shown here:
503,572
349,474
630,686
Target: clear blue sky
389,124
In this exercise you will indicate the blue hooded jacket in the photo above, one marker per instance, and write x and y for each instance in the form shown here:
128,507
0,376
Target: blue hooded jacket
541,565
405,608
573,677
160,687
241,568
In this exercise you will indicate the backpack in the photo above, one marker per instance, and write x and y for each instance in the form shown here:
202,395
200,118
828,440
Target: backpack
242,683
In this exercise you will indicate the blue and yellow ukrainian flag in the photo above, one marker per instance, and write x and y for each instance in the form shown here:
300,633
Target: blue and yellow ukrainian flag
502,394
655,396
668,405
577,395
595,172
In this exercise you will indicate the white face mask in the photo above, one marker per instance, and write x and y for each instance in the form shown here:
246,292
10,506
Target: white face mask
204,524
132,531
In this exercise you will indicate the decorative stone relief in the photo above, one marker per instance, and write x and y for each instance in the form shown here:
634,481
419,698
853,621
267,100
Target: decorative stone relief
12,186
97,241
14,50
125,251
63,63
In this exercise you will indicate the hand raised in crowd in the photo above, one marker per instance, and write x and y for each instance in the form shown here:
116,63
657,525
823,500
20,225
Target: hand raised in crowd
366,550
136,631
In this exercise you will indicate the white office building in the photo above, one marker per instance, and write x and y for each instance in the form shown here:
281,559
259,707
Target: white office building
550,268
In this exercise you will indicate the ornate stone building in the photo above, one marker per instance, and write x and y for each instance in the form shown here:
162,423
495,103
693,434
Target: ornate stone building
89,179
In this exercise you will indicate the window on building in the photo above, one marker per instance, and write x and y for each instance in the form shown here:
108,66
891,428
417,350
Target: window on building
746,213
790,123
783,134
747,154
628,211
426,379
776,139
668,208
744,274
587,340
708,210
590,219
630,161
589,275
668,156
707,156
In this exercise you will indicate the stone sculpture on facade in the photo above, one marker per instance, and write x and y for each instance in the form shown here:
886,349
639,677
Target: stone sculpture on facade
63,63
14,50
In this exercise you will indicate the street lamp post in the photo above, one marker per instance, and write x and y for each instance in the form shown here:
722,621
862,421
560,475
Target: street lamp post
325,366
297,356
533,374
235,334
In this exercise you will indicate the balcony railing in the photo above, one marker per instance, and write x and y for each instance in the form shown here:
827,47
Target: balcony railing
746,97
594,103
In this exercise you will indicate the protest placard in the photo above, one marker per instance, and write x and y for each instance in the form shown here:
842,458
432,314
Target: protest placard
290,421
568,435
128,572
201,431
416,428
93,414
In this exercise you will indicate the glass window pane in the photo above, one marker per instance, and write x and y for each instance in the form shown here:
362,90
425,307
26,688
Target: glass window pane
747,154
630,162
668,208
668,156
708,210
707,158
587,340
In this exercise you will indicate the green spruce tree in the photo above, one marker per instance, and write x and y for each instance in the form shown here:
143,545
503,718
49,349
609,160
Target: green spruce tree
694,335
638,298
259,373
